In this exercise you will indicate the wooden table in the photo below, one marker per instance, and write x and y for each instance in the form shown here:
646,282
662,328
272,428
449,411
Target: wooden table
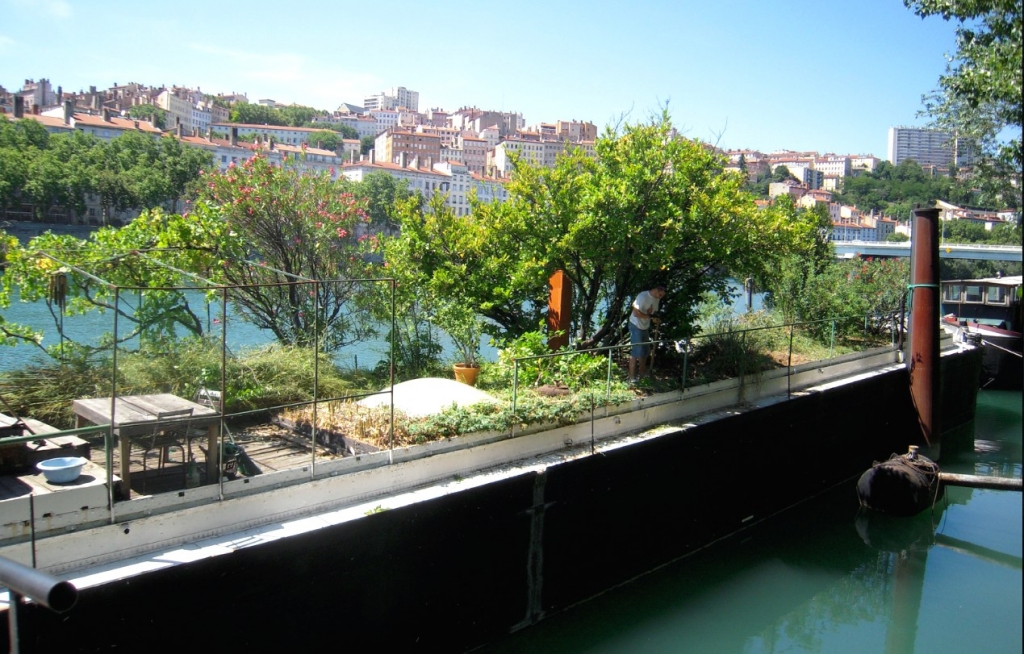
136,415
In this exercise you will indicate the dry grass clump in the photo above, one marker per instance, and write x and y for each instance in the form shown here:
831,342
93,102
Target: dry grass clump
346,419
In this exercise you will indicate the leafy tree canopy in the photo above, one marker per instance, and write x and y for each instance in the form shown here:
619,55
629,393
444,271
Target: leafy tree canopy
652,208
896,190
299,226
149,112
979,96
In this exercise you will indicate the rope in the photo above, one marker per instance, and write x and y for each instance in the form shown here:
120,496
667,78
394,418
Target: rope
910,295
923,469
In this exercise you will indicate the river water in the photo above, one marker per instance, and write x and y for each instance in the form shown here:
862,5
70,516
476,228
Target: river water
807,581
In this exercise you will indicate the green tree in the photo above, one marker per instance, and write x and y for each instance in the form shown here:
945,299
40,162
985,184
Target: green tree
382,194
298,115
256,114
125,256
366,144
979,96
782,174
149,112
345,131
651,208
326,139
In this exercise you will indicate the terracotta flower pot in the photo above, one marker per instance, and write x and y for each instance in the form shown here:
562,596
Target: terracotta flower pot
466,374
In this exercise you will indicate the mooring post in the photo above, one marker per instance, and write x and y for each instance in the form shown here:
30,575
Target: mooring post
923,364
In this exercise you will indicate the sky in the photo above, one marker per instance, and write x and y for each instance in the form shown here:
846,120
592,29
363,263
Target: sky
823,75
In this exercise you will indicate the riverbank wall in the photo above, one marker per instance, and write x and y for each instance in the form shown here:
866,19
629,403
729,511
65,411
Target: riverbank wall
450,569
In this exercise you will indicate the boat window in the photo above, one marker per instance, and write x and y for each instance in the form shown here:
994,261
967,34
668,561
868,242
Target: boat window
951,293
972,293
996,295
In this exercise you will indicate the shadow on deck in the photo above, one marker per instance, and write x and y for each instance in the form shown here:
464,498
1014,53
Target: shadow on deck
270,447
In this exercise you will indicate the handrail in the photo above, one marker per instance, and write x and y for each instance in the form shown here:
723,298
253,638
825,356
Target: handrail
45,589
10,440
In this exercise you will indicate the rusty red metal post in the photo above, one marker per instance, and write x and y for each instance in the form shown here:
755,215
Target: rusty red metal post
923,363
559,310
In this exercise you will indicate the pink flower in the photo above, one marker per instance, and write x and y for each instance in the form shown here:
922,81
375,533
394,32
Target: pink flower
342,233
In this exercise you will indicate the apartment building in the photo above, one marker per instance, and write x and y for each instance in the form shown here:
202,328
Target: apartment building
385,119
476,120
864,163
833,165
574,131
927,146
280,134
363,124
474,153
38,94
393,99
394,142
531,152
450,177
105,126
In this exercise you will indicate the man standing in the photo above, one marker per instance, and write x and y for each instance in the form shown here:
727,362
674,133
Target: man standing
644,307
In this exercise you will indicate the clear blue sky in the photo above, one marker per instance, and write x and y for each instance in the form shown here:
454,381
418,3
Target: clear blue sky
822,75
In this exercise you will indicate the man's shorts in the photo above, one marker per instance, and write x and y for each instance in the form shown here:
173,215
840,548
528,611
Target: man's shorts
637,336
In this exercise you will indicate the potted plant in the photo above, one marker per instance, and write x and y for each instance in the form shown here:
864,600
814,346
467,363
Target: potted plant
463,326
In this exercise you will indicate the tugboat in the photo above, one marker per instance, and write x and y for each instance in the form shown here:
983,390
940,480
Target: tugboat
987,312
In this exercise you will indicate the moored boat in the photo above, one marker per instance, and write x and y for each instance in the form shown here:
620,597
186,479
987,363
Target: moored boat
987,311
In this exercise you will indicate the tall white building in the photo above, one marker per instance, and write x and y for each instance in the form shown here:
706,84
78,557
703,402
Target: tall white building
393,98
928,147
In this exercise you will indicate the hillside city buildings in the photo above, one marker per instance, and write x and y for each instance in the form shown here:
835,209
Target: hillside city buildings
459,153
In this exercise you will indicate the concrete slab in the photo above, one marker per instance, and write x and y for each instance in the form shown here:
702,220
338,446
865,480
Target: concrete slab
428,396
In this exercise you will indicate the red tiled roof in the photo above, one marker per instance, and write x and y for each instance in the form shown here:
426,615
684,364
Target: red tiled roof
48,121
116,122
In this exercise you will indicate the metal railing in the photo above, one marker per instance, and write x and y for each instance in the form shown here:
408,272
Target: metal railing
686,347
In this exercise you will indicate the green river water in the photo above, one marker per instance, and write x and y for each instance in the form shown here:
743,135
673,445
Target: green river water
807,581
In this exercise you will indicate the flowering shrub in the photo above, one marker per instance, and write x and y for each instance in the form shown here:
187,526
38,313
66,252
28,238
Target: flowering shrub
298,227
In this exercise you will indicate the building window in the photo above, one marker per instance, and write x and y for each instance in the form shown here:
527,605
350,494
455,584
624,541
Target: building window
996,295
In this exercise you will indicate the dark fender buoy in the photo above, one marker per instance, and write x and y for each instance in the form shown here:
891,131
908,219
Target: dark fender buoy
904,485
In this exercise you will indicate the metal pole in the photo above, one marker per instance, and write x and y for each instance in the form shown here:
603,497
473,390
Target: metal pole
113,418
219,454
391,375
831,340
924,322
789,362
316,375
608,380
44,589
515,392
686,360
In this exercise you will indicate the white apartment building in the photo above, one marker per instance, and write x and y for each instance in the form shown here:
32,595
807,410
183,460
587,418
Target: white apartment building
832,165
393,98
105,127
531,152
280,134
866,163
385,119
363,125
450,177
928,147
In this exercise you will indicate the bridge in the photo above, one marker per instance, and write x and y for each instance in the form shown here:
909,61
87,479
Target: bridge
977,251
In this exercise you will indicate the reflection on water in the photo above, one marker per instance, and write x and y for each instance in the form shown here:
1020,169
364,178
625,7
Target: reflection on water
825,578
